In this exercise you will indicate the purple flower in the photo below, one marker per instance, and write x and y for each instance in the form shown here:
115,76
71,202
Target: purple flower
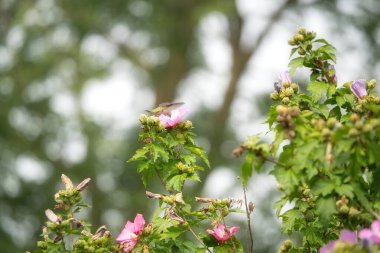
285,77
345,236
358,87
332,73
371,235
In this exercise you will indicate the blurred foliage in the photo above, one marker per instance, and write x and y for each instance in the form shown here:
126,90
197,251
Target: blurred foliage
47,54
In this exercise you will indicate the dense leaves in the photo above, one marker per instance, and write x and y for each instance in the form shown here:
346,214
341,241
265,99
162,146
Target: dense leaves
327,163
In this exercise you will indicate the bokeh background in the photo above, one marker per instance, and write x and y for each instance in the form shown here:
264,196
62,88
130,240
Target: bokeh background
75,75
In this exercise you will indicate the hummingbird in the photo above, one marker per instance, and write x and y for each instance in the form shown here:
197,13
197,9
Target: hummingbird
164,108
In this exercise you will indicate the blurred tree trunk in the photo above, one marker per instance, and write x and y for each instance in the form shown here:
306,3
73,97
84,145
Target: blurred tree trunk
240,59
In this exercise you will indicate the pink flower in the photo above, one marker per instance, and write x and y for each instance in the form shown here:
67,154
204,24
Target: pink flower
358,87
285,77
346,236
175,117
130,234
371,235
222,233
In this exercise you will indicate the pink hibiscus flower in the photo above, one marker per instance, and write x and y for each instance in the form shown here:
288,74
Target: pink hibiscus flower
174,118
222,233
130,234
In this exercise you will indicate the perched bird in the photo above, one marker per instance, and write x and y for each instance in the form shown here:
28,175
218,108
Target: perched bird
164,108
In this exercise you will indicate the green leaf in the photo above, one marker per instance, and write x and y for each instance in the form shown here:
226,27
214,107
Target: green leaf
323,187
291,220
362,198
140,154
246,168
176,182
200,153
317,90
345,189
326,207
295,63
159,152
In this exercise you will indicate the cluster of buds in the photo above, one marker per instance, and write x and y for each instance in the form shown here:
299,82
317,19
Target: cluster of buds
221,205
98,242
71,195
252,144
63,224
285,117
168,199
151,123
285,88
360,126
344,208
185,168
285,247
309,199
326,127
303,40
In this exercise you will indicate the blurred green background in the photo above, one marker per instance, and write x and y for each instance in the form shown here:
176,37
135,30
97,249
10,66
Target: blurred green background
75,75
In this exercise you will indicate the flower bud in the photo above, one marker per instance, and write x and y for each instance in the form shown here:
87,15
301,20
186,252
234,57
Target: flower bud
188,125
143,119
289,92
301,51
331,123
353,212
367,128
353,132
281,109
295,87
301,30
299,38
344,210
358,125
288,244
285,100
291,41
354,117
274,95
326,132
371,84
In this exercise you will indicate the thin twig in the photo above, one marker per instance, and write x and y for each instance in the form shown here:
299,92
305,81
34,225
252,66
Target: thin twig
247,211
275,162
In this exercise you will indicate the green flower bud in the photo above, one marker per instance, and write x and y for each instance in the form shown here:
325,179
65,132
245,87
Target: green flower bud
143,118
367,128
288,244
292,42
289,92
295,87
299,38
274,95
354,117
301,30
285,100
344,210
301,51
371,84
41,244
331,123
353,132
353,212
358,125
326,132
187,125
